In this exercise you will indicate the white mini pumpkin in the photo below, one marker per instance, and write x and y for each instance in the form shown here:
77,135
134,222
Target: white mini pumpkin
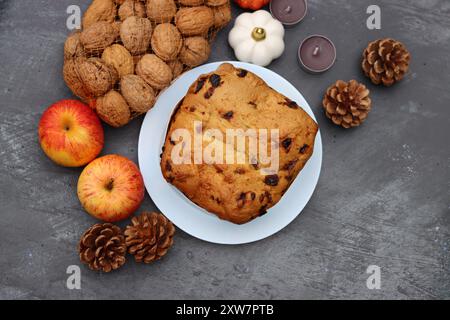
257,38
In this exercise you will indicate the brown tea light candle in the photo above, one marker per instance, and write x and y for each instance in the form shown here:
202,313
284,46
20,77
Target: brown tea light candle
288,12
317,54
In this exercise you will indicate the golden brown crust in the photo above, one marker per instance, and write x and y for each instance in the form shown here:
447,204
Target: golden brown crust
238,100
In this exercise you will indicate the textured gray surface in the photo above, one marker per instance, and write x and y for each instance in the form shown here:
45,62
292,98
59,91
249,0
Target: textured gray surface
383,196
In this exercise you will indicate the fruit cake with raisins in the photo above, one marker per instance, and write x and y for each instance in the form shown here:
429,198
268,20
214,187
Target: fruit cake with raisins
232,98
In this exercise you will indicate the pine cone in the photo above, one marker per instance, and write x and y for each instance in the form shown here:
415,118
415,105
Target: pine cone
102,247
386,61
149,237
347,104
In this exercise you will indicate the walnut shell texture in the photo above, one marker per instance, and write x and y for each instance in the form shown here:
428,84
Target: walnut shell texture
73,79
166,41
73,47
222,15
136,33
99,10
176,66
97,76
120,58
215,3
194,21
98,37
195,51
191,3
138,94
136,59
113,109
116,25
154,71
131,8
160,11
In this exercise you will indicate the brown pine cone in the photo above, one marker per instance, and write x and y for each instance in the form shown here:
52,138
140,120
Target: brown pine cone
102,247
347,104
386,61
149,237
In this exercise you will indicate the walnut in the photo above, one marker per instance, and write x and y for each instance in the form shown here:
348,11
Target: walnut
113,109
222,15
116,25
154,71
191,3
131,8
136,33
139,95
120,58
99,10
136,59
89,78
120,2
73,47
160,11
176,66
97,37
194,21
166,41
97,77
195,51
216,3
73,80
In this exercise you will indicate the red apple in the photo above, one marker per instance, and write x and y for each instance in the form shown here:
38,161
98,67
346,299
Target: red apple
70,133
111,188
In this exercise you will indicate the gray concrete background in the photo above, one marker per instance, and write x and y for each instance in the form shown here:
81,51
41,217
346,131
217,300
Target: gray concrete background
382,199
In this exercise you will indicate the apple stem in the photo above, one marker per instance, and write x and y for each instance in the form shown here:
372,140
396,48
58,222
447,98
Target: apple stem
109,185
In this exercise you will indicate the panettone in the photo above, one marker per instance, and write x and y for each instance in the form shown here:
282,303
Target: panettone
232,98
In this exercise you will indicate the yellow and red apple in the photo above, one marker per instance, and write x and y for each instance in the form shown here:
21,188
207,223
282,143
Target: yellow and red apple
70,133
111,188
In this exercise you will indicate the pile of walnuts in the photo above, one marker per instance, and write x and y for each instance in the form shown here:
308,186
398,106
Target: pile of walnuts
129,50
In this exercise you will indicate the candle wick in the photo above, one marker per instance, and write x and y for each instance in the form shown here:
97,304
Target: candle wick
288,9
316,51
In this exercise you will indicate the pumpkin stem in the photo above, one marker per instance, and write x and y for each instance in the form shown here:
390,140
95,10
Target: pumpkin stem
258,34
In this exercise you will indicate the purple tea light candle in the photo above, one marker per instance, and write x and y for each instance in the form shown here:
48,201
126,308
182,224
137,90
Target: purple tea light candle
288,12
317,54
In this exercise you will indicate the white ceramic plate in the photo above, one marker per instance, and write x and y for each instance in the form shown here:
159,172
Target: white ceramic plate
187,215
